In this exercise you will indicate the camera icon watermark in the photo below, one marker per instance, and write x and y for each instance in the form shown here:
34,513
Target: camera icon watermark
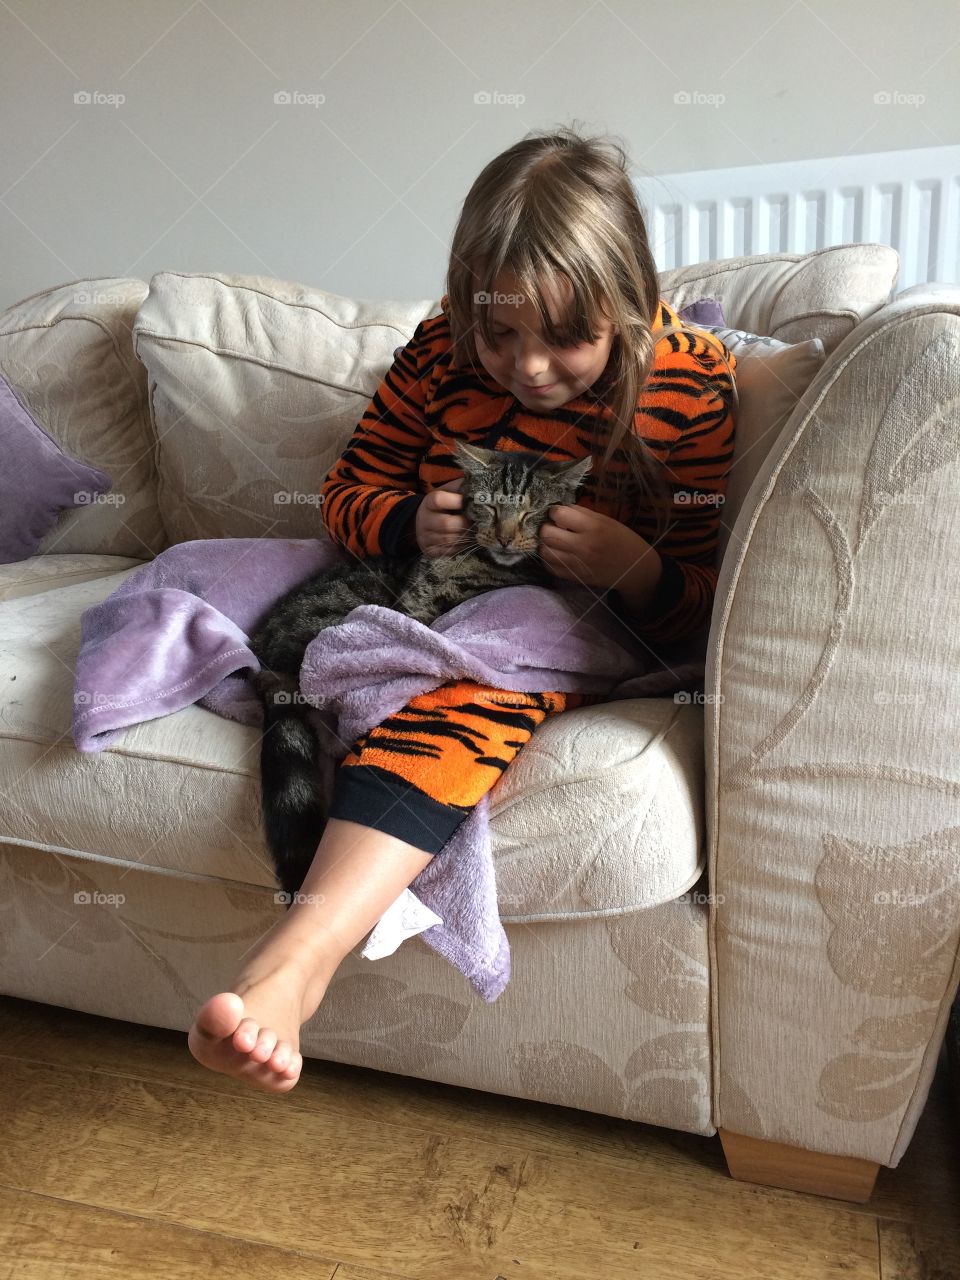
89,698
282,898
494,498
296,98
896,98
96,98
897,697
294,699
86,898
698,498
494,98
482,298
697,897
697,98
294,498
96,297
899,898
90,498
696,697
504,697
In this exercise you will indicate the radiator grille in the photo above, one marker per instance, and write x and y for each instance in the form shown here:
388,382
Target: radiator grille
907,199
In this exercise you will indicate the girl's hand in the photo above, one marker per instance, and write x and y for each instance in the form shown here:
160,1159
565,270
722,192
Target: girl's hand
591,549
439,531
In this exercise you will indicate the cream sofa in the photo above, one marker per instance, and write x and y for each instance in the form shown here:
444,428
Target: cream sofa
736,912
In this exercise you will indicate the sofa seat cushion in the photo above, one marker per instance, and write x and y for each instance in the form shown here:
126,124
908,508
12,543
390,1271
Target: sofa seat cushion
599,814
43,573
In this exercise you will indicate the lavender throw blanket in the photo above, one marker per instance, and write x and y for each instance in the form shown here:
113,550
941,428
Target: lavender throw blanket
176,632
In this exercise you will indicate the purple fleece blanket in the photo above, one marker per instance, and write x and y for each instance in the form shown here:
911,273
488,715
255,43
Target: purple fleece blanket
176,632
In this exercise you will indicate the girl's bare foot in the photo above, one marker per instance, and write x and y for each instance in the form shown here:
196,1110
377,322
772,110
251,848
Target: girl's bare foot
253,1032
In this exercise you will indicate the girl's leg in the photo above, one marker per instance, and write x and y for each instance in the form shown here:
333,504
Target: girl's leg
401,792
419,773
252,1030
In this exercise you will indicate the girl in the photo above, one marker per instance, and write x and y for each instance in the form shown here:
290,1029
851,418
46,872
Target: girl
551,336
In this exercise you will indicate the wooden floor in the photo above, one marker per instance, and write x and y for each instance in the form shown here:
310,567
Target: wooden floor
120,1157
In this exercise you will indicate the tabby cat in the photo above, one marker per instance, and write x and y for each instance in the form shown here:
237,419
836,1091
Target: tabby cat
506,498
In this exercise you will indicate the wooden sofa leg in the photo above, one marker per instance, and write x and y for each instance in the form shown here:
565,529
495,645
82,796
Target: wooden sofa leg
774,1164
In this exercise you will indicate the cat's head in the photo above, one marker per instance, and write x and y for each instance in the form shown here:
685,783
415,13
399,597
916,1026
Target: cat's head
507,495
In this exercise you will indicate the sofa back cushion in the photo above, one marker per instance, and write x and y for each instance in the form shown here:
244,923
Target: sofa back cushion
255,386
772,379
792,296
785,313
67,354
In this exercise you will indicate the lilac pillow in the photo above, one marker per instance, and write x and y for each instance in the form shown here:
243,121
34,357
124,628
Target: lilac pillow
702,312
37,480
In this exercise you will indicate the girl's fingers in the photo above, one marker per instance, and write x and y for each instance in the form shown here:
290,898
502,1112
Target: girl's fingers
449,524
444,500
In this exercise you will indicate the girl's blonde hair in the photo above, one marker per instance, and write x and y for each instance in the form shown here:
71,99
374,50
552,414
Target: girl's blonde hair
557,204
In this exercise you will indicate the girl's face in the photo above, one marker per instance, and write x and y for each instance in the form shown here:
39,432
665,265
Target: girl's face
524,360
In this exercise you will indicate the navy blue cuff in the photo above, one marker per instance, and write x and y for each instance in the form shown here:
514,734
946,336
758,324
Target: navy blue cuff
669,590
397,536
377,798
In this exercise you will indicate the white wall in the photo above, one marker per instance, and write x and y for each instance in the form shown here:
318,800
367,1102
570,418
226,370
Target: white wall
199,169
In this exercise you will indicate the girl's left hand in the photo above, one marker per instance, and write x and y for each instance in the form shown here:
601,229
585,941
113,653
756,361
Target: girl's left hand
589,548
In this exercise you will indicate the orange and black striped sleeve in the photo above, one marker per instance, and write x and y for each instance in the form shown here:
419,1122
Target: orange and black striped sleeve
371,493
692,389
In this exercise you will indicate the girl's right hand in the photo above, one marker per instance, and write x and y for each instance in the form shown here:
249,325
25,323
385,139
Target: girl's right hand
439,531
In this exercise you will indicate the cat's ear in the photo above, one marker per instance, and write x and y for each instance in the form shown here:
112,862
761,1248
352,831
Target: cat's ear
572,473
471,456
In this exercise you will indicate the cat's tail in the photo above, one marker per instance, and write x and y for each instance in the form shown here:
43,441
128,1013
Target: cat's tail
293,795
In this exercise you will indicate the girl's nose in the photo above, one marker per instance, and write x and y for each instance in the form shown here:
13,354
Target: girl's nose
530,367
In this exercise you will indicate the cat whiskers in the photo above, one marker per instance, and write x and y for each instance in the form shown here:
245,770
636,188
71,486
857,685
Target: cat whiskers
537,556
471,546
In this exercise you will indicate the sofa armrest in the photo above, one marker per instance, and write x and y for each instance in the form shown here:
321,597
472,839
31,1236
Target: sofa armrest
833,750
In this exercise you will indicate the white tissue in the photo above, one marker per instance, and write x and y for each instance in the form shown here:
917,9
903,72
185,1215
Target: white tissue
403,919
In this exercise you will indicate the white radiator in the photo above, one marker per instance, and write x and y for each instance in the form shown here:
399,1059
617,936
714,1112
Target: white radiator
907,199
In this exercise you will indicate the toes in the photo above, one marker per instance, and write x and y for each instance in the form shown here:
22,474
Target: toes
281,1056
266,1043
220,1016
245,1036
221,1031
